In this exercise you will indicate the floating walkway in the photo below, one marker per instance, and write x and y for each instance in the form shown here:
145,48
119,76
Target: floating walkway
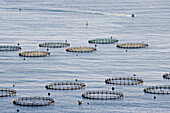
65,86
54,44
34,101
4,92
132,45
124,81
81,49
9,48
102,95
34,54
103,41
157,90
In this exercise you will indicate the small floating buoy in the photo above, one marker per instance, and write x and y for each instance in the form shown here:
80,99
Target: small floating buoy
154,97
95,45
18,44
49,94
87,103
23,58
19,9
134,74
17,110
76,80
126,50
47,49
66,40
13,85
79,102
132,15
111,37
113,88
87,23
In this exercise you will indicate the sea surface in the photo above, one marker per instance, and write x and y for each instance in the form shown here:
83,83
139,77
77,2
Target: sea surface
42,21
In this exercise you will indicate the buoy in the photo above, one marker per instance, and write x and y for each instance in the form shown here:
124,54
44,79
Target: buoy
87,24
23,58
154,97
47,49
49,94
76,80
113,88
132,15
134,75
17,110
18,44
88,103
79,102
19,9
13,85
95,45
111,37
66,40
126,50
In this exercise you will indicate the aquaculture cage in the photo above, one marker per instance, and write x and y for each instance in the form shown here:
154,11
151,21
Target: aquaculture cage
9,48
34,54
65,86
157,90
124,81
132,45
103,41
166,75
34,101
102,95
54,44
81,49
4,92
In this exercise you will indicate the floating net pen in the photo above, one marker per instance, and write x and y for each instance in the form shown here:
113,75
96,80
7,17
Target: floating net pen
54,44
132,45
103,41
34,54
4,92
102,95
124,81
34,101
166,75
65,86
9,48
81,49
157,90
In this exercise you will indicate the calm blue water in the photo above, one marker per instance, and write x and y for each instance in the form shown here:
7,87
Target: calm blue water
47,21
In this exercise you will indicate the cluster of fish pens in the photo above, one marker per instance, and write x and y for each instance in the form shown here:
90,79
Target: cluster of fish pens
98,95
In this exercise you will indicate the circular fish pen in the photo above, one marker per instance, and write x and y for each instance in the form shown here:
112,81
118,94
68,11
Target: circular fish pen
7,92
54,44
132,45
166,75
102,95
34,54
124,81
34,101
103,41
157,90
9,48
81,49
65,86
